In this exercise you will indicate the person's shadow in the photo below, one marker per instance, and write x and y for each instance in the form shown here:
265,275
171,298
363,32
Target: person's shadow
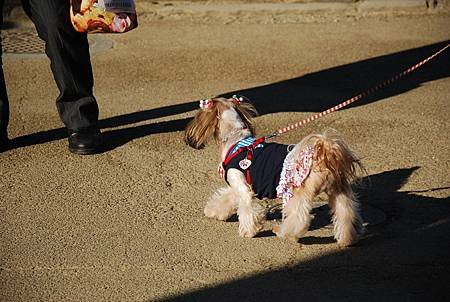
313,92
403,259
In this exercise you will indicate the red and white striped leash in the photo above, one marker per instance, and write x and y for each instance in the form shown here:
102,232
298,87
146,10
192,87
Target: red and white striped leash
355,98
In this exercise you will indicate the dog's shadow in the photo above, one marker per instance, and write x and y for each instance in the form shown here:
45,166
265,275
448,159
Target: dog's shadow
405,258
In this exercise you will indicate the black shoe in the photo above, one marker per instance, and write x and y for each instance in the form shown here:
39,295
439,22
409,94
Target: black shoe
86,141
4,143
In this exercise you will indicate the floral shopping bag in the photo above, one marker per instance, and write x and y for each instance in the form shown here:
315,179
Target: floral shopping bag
103,16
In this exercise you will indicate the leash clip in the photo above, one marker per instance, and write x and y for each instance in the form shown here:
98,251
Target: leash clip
271,135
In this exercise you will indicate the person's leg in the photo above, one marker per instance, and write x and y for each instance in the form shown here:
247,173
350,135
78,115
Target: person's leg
68,51
4,107
4,104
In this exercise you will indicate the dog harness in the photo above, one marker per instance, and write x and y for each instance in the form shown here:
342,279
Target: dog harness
269,168
260,162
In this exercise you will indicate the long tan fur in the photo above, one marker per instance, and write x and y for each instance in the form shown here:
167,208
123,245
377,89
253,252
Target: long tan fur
205,124
202,127
333,154
334,168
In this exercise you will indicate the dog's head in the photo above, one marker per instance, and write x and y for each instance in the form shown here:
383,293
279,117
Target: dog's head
218,117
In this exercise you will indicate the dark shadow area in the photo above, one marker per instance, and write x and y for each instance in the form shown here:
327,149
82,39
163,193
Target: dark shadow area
403,259
313,92
118,137
140,116
265,233
311,240
274,215
9,25
233,218
318,91
321,216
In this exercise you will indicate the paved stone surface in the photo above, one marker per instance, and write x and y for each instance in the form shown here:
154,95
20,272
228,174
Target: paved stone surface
25,43
127,224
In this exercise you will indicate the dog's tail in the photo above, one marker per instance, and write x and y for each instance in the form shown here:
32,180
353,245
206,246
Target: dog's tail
332,153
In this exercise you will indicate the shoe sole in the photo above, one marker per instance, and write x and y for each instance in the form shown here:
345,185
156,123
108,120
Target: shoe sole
84,151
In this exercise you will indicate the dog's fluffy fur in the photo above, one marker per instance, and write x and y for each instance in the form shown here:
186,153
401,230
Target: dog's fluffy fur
333,170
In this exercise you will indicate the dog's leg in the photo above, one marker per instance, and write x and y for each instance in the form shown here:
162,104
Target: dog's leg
221,205
250,214
296,217
296,213
346,219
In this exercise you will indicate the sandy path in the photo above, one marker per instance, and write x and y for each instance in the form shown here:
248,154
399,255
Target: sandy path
127,224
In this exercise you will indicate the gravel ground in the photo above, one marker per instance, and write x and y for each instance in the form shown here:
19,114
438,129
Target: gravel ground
128,225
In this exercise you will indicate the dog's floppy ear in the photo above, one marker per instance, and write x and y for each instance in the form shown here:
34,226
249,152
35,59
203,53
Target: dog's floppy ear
204,124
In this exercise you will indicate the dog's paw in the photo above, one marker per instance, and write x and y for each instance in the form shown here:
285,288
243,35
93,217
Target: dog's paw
250,231
250,220
349,238
347,242
220,205
282,235
215,214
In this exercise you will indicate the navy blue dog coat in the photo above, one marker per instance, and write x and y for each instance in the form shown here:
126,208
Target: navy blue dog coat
260,162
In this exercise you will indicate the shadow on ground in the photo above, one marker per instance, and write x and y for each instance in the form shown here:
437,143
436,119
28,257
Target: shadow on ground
405,259
321,90
313,92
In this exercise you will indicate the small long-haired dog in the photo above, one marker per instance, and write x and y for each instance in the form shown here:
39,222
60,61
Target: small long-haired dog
296,174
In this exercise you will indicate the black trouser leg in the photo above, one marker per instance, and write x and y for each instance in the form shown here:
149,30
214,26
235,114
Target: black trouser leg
68,51
4,104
